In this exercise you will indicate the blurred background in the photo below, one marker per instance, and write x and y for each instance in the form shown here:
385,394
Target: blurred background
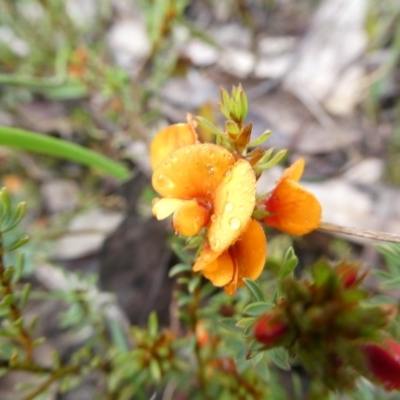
323,75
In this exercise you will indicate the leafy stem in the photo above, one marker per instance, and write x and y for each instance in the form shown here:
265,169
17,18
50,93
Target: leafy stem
7,289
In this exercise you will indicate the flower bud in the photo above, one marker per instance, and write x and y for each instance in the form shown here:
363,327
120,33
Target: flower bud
349,274
383,362
270,329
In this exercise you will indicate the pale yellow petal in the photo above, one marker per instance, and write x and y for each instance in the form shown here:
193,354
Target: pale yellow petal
163,208
234,203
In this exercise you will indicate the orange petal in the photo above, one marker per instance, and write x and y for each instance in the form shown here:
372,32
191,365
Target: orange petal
234,203
163,208
190,218
170,139
294,210
206,257
220,272
295,171
193,171
250,253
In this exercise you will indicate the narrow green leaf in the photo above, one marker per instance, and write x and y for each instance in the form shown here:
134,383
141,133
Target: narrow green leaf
18,269
17,243
32,141
117,335
178,268
258,308
5,200
194,284
153,324
280,357
25,295
12,220
155,370
261,139
273,161
254,288
206,124
229,324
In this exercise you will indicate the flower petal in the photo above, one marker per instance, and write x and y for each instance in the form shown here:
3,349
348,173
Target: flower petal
220,272
250,253
234,203
206,257
295,171
294,210
163,208
170,139
190,218
193,171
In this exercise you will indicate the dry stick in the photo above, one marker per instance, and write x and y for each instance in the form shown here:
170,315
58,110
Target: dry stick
384,236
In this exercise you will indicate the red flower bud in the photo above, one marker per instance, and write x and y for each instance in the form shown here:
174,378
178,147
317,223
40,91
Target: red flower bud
269,330
383,362
349,274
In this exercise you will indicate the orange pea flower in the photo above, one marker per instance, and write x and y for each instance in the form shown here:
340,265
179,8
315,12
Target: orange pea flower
292,208
204,186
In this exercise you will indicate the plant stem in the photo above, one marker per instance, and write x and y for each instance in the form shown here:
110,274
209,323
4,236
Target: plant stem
383,236
15,313
200,361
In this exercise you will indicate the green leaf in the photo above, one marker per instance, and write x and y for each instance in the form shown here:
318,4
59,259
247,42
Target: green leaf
153,324
258,308
18,269
194,284
16,217
25,295
32,141
289,264
5,202
261,139
254,288
178,268
17,243
155,370
280,357
273,161
229,324
206,124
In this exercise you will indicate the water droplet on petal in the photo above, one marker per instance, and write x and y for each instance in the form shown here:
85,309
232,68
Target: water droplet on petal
165,181
210,169
235,224
229,207
174,159
213,217
216,243
188,150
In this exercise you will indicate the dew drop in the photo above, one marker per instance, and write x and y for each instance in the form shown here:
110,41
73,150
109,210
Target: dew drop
229,207
188,150
216,243
213,217
235,224
210,169
165,181
174,159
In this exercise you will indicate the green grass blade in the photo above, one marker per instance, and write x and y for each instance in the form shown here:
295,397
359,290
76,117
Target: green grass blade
32,141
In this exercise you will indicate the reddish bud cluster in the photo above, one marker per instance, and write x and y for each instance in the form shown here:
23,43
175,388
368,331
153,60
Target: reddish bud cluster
383,362
269,330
